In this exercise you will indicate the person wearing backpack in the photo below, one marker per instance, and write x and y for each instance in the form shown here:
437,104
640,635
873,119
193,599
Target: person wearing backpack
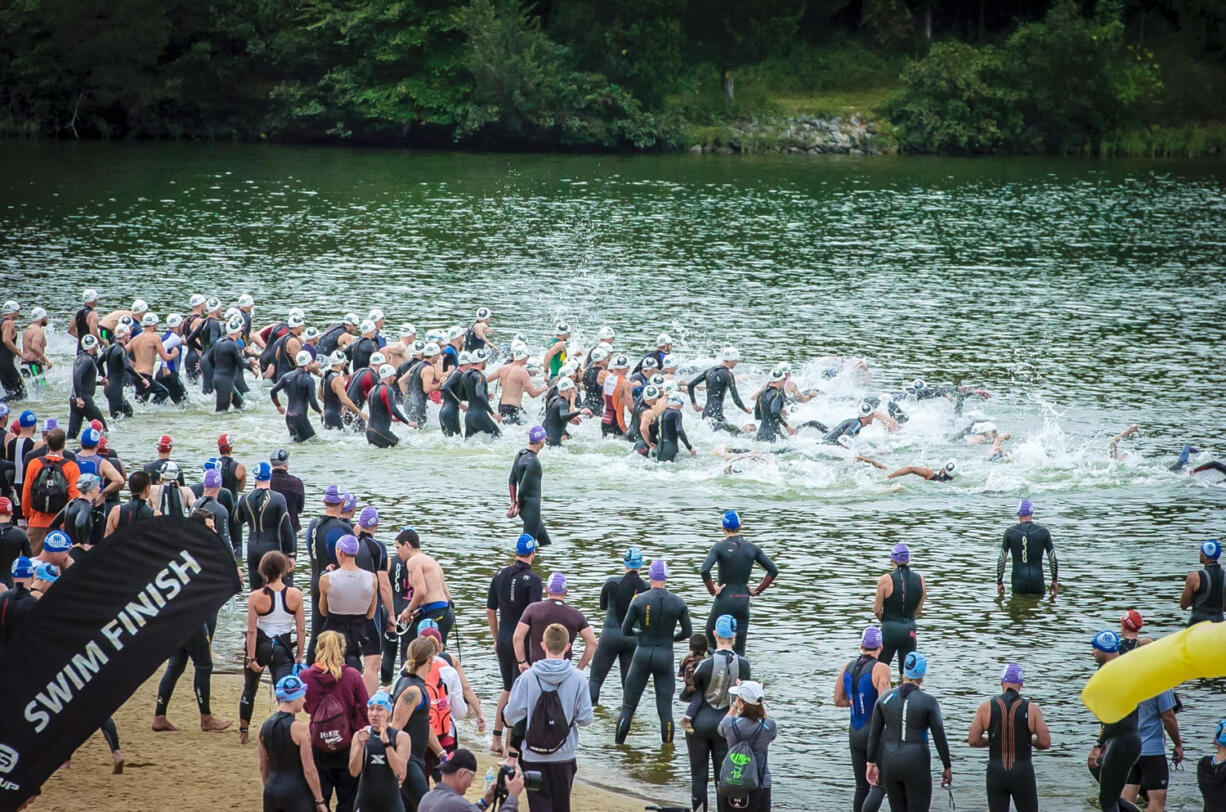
553,698
336,702
744,776
50,483
714,678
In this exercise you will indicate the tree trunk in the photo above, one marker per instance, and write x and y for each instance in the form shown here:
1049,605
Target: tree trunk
729,89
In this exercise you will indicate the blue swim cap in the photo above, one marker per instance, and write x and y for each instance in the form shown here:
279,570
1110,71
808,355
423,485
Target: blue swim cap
263,472
381,698
915,666
1107,641
1220,735
57,541
633,558
27,419
1212,549
47,572
210,463
732,521
525,544
290,688
426,623
22,567
725,627
90,438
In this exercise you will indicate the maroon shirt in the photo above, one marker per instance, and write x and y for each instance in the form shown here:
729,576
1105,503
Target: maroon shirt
351,688
539,615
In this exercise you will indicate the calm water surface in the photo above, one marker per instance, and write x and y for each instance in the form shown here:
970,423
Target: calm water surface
1085,296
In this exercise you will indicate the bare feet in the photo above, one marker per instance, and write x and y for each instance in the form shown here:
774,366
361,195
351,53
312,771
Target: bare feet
496,743
211,723
161,723
242,735
117,763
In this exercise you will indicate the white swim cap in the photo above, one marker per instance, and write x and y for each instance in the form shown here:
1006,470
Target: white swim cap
377,359
235,325
604,333
174,320
598,355
295,321
484,314
407,330
387,371
310,333
730,354
620,362
566,384
230,313
519,353
149,320
606,346
169,470
668,362
866,407
352,319
465,357
454,332
297,311
650,362
38,314
663,338
651,392
89,341
658,379
366,326
139,307
480,355
561,329
196,300
918,384
375,314
90,295
120,330
10,307
128,320
949,467
303,358
419,347
675,399
337,357
430,350
245,300
778,374
212,305
669,387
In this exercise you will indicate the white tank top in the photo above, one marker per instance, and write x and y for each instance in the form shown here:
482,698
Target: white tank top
277,620
610,384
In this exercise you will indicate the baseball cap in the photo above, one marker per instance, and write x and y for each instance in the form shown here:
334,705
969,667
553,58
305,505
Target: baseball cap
47,572
369,517
290,688
749,692
725,626
1131,620
556,585
347,544
165,442
57,541
915,666
1012,674
901,553
871,639
525,544
461,759
212,478
334,495
263,472
732,520
1107,641
536,434
1025,508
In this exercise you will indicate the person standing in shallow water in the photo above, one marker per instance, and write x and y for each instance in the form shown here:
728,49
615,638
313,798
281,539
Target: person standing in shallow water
899,600
1027,542
735,558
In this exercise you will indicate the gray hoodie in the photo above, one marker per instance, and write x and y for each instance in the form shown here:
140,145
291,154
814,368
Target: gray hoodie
554,675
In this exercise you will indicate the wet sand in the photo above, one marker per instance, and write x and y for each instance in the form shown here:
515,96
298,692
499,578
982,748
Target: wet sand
190,769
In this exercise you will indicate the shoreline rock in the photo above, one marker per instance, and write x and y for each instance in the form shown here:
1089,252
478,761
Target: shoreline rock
807,135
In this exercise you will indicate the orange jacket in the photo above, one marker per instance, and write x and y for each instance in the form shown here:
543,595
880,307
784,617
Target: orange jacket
71,472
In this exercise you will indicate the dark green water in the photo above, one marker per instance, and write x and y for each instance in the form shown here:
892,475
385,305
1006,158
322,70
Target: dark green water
1086,296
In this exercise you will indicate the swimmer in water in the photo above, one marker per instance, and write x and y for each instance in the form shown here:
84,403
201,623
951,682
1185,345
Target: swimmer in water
853,425
561,410
944,474
514,381
480,417
958,394
477,337
555,355
1212,465
34,345
1113,447
718,381
671,430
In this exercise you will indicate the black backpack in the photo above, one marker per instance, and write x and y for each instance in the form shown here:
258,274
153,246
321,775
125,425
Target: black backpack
548,728
49,491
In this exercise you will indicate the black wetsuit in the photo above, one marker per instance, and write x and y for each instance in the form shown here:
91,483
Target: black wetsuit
526,476
13,543
851,427
735,557
330,339
1121,743
286,789
81,320
1027,542
593,392
898,615
360,350
634,432
472,341
116,367
449,412
512,590
415,401
705,746
382,407
768,411
226,365
378,789
221,517
478,419
283,363
614,647
191,350
1211,778
84,385
332,401
657,614
418,728
133,511
671,431
1207,601
207,333
299,388
860,691
274,655
10,378
1010,770
199,649
267,518
79,521
903,719
718,379
558,415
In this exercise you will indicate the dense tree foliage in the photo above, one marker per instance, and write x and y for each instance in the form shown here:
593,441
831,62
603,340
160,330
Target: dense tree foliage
975,75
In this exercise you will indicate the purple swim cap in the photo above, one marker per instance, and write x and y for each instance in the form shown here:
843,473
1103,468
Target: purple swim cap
334,495
350,502
212,478
658,570
1012,674
871,639
556,585
347,544
536,434
369,517
1025,508
901,554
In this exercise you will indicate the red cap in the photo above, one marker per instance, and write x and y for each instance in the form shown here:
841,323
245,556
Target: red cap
166,443
1131,620
102,446
225,442
16,427
97,426
435,633
6,507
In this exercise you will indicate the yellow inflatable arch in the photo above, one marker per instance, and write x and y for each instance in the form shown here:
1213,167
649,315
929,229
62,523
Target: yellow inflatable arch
1119,686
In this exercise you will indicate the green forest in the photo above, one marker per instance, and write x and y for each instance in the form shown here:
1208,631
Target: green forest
1129,77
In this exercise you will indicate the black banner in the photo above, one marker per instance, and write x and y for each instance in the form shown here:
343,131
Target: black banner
97,635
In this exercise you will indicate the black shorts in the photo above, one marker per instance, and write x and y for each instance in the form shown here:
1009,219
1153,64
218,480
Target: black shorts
511,415
507,667
373,644
1150,772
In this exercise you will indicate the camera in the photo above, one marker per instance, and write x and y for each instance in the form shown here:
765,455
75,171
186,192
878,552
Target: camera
532,780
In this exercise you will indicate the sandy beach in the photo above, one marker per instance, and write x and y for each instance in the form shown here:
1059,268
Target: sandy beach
190,769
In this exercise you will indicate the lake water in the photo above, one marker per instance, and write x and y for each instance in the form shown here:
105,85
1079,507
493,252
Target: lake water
1085,296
